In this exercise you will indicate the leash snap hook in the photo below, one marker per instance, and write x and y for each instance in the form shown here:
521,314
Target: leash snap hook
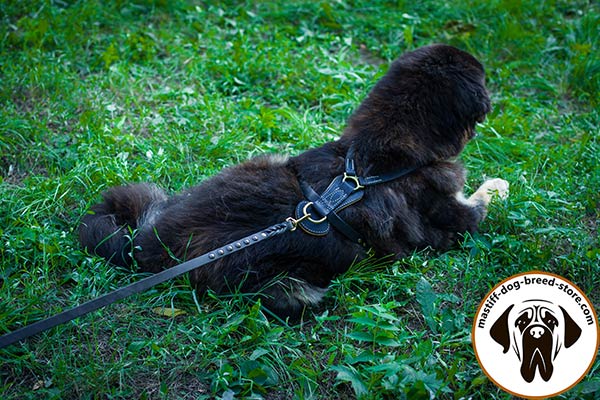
354,179
293,222
306,215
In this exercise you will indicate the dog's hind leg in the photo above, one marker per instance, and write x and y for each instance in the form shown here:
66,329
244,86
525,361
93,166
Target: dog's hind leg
289,297
106,230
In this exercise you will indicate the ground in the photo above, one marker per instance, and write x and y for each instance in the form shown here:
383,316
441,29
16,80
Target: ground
95,94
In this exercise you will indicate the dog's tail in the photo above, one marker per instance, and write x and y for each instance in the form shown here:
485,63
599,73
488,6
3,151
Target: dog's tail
108,228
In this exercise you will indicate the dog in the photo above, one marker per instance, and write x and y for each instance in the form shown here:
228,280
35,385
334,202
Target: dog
537,330
420,115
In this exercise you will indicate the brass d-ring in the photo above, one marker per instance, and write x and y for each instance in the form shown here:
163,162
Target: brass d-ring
307,214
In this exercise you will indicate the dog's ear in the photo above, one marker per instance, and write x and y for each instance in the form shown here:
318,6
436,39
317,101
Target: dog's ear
572,330
500,332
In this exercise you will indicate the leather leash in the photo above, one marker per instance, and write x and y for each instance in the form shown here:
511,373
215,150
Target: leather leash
146,283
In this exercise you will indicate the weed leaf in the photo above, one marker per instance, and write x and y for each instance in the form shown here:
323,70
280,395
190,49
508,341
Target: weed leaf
168,311
350,375
426,298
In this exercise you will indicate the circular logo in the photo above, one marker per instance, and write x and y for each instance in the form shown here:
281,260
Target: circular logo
535,335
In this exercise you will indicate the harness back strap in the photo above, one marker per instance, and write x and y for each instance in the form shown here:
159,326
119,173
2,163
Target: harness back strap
319,211
332,217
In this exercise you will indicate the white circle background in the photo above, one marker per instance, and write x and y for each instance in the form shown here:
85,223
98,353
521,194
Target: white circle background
570,364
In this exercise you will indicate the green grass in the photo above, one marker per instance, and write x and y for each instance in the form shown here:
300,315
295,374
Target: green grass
95,94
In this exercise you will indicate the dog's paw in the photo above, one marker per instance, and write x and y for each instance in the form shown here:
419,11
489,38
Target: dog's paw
492,187
497,187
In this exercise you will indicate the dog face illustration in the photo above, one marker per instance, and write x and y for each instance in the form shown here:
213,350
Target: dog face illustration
536,330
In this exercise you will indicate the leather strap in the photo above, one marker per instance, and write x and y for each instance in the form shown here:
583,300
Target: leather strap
374,179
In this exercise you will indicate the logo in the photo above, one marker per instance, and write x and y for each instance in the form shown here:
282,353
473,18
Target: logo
536,335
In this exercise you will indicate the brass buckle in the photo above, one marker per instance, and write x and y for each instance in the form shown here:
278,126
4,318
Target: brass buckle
354,179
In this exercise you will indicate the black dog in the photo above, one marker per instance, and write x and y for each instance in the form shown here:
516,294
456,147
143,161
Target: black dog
419,115
537,330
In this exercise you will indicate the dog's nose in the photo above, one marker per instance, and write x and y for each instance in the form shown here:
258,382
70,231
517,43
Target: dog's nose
536,332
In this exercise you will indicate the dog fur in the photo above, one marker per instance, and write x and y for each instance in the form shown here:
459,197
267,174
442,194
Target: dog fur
421,113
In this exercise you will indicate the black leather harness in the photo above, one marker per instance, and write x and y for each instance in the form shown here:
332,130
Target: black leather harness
317,213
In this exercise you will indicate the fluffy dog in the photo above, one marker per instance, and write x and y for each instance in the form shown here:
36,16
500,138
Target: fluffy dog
419,115
537,330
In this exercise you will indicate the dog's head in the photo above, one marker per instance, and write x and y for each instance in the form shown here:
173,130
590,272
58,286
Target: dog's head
536,330
424,109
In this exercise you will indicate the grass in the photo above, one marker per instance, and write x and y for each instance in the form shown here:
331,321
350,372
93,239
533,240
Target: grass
95,94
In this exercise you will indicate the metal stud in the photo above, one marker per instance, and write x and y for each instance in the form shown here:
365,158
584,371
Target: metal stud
238,245
211,256
246,241
221,252
255,238
263,235
229,248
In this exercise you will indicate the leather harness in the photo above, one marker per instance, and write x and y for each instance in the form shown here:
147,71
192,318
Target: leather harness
317,213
